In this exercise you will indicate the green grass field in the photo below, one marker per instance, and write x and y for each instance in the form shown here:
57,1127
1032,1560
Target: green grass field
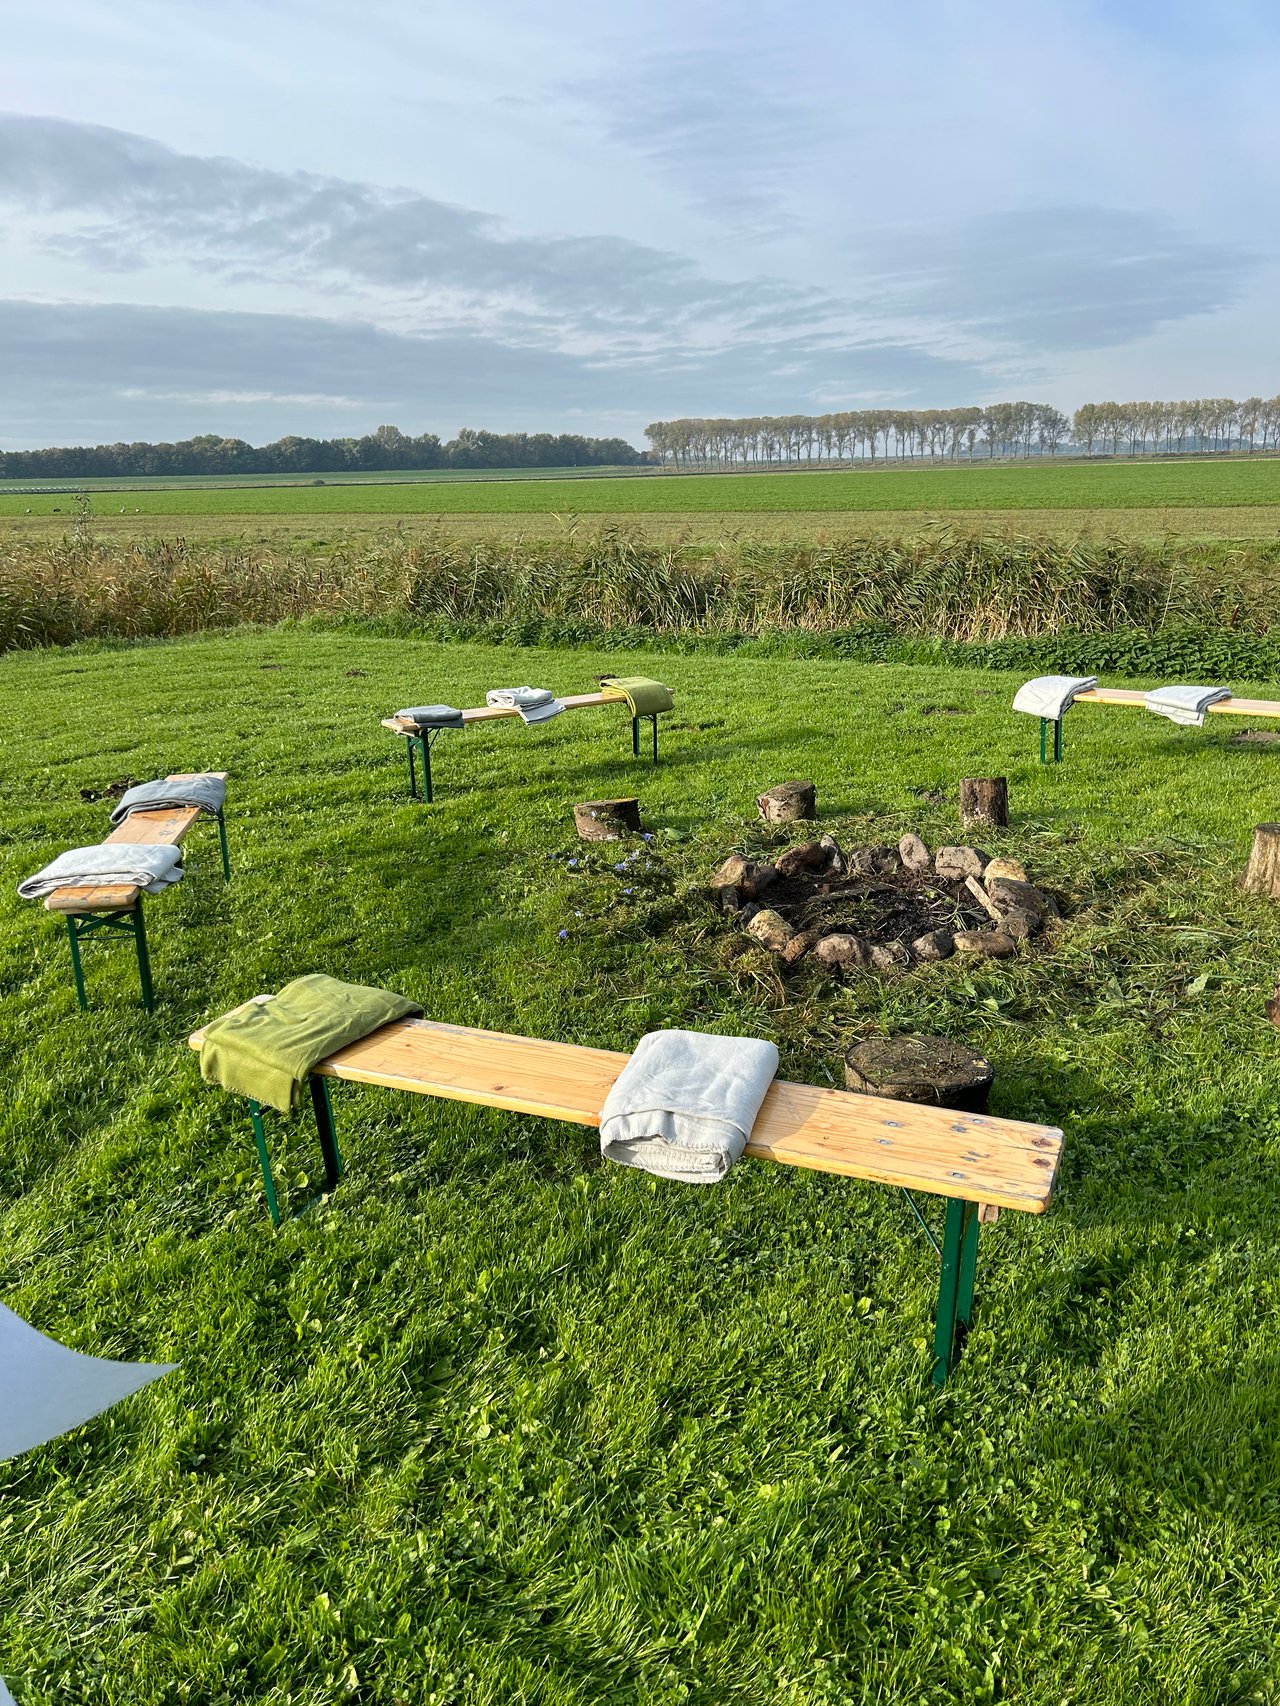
1093,486
496,1424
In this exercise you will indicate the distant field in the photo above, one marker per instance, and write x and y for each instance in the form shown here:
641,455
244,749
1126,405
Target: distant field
239,482
1092,487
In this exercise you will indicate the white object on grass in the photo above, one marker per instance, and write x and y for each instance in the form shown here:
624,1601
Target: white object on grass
46,1389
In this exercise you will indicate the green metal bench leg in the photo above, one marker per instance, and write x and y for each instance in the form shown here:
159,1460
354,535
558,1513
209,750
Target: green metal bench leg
222,843
1057,739
635,737
328,1132
144,959
955,1288
260,1138
333,1168
425,742
413,774
655,739
73,936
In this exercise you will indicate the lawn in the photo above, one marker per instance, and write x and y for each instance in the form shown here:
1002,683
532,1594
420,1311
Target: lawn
496,1424
1060,486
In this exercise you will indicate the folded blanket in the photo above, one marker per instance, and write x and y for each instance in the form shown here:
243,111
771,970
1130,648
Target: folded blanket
151,868
1049,696
535,704
432,716
645,696
267,1049
207,792
684,1104
1185,705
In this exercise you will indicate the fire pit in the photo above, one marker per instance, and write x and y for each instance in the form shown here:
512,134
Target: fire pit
880,906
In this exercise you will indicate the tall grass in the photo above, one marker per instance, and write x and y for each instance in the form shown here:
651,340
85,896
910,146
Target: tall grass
938,582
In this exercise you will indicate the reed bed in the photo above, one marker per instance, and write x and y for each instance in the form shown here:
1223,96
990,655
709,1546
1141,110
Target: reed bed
937,583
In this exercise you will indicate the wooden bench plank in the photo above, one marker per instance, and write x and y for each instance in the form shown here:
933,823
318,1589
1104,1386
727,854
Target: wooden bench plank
975,1158
1232,707
487,713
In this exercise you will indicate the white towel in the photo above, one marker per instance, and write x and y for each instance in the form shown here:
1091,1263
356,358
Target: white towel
1185,705
1049,696
684,1104
46,1389
143,865
535,704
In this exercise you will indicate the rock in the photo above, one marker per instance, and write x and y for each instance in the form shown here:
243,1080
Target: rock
840,952
798,946
1014,869
835,858
758,880
931,1070
748,912
890,956
1006,893
875,861
983,899
770,929
607,820
1018,924
994,943
937,945
731,873
956,863
730,900
914,854
808,856
788,802
744,876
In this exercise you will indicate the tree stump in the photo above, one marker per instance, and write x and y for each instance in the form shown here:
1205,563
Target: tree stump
607,820
932,1070
789,802
1263,874
985,799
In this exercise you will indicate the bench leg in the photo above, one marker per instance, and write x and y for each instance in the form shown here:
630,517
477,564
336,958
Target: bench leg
427,794
128,923
328,1132
1057,739
655,739
333,1169
73,936
144,959
413,774
222,843
635,737
955,1288
260,1138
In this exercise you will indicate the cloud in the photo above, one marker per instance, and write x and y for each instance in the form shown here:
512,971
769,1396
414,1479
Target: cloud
119,202
717,123
1063,278
97,373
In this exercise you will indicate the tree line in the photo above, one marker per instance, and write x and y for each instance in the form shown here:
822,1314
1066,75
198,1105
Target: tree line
999,429
386,450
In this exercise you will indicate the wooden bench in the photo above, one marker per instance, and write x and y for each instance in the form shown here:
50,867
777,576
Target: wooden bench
425,739
1231,707
95,908
977,1163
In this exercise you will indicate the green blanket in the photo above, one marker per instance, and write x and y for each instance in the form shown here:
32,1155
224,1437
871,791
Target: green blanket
267,1049
645,696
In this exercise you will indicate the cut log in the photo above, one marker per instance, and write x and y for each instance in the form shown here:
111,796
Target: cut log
1263,874
920,1069
985,799
607,820
789,802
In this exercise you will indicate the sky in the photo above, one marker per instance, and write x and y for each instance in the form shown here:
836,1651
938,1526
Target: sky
271,218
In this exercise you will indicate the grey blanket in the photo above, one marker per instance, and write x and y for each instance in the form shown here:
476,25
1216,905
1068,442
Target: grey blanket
1185,705
684,1104
1049,696
432,716
148,866
207,792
